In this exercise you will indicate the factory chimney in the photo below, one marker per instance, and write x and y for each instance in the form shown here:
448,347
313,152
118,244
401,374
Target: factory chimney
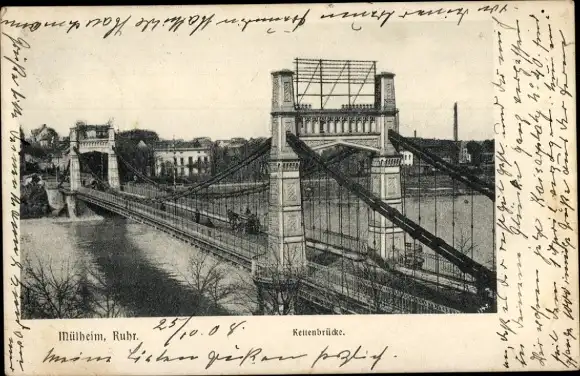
455,124
415,133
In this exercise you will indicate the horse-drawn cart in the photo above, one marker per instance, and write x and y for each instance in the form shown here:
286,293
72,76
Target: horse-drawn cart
246,223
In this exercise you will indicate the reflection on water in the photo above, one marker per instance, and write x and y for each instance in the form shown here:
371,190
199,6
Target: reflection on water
140,271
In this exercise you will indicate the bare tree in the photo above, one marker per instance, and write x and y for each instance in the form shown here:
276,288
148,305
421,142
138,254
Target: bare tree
74,291
211,282
279,291
245,298
50,294
276,285
103,301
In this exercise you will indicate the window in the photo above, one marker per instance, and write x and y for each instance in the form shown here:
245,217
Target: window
205,158
190,161
181,161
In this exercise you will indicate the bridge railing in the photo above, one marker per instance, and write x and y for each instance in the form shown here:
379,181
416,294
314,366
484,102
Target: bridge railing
435,264
338,240
246,248
217,212
140,189
362,289
268,271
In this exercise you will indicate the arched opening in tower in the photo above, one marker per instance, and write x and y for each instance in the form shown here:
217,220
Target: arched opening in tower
94,168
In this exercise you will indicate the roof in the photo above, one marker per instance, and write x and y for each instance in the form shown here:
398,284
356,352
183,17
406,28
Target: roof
92,126
38,130
44,133
432,142
179,144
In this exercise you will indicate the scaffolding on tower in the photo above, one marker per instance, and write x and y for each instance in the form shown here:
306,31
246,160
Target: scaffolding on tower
334,84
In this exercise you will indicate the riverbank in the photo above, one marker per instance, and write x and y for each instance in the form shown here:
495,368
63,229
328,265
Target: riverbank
33,202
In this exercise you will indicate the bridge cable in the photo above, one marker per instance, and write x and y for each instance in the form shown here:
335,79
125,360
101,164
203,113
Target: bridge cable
261,150
485,188
483,275
436,257
263,186
404,174
135,170
64,174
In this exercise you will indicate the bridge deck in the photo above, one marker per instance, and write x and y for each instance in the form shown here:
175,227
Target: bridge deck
325,283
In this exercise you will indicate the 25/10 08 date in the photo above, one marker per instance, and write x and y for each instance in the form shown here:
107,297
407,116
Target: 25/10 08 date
179,325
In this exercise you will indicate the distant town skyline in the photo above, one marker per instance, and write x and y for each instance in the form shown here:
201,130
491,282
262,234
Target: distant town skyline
29,135
223,89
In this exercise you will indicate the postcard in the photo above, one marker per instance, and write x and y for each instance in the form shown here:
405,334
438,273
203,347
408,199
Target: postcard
276,189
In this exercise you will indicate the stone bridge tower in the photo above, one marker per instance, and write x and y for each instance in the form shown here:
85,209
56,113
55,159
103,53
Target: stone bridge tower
89,138
364,127
280,270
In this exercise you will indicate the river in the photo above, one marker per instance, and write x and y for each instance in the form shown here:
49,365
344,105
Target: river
450,218
145,273
142,271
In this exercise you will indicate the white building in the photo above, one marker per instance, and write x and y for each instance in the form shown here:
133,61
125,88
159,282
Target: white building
464,155
44,136
184,156
407,159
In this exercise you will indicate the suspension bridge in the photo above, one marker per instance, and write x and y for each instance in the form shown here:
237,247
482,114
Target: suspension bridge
319,212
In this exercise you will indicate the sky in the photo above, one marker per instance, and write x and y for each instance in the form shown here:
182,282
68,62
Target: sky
218,84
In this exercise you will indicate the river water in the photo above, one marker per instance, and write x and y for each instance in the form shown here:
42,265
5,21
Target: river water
464,222
146,273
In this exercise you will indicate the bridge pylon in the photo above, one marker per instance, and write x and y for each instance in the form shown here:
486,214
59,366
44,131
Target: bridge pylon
286,257
89,138
384,237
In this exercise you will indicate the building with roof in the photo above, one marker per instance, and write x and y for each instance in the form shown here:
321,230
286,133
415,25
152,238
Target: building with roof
187,158
448,150
406,158
204,142
464,155
44,136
